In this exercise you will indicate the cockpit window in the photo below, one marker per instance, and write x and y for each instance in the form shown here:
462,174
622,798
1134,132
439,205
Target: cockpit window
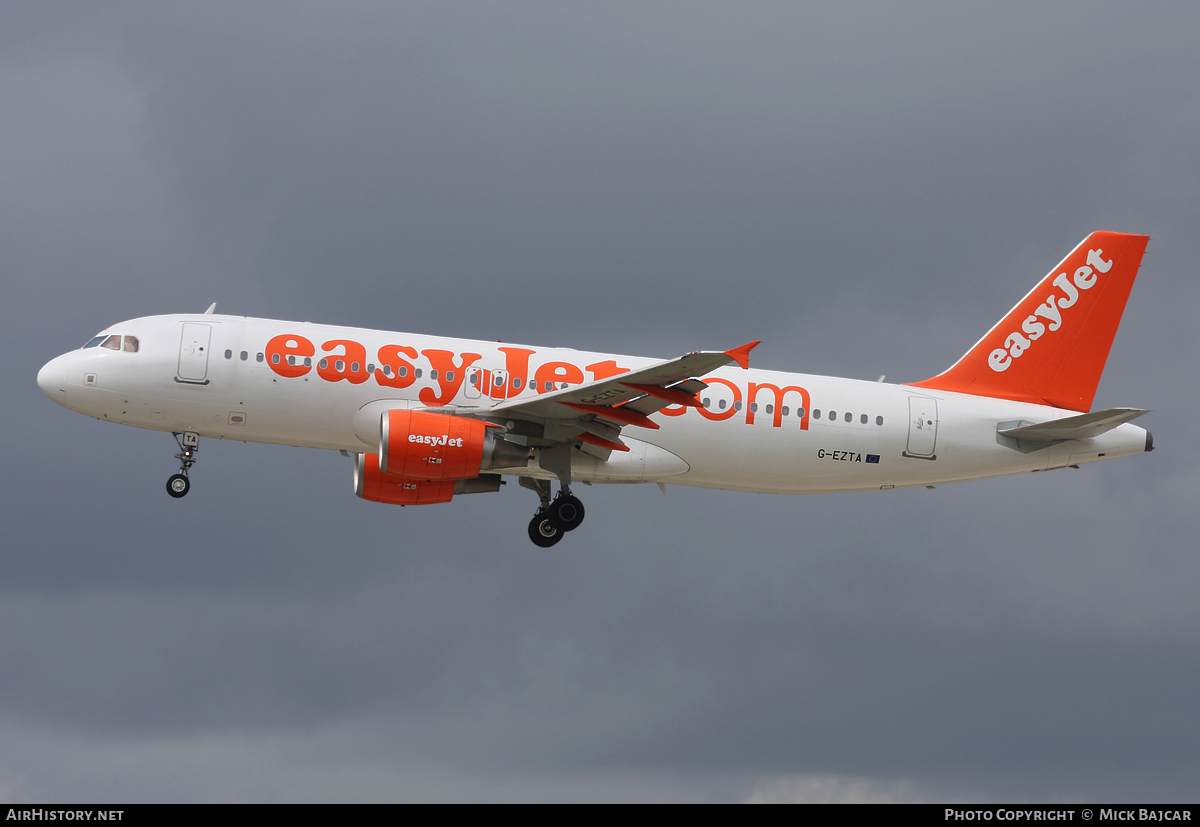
114,343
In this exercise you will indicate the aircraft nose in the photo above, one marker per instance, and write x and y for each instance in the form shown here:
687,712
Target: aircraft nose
52,379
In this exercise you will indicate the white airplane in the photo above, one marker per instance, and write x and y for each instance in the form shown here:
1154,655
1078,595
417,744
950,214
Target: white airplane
427,417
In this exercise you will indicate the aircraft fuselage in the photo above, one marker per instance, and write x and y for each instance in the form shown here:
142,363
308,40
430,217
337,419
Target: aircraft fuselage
320,386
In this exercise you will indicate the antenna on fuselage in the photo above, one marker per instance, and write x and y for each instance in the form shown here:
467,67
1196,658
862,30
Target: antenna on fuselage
210,310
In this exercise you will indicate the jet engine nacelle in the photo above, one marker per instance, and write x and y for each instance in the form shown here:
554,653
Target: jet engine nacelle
372,484
416,445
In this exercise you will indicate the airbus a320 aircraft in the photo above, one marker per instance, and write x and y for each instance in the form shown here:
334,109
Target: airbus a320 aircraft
427,418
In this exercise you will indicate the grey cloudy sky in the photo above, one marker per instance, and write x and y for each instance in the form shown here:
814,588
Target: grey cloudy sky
865,187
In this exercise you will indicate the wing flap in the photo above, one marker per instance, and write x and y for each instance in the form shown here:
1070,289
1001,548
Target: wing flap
652,404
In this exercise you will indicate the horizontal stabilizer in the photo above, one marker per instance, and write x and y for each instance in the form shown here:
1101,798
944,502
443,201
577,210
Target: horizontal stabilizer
1084,426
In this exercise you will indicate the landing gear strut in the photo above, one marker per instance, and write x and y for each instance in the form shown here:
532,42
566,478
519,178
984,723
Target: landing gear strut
554,518
542,531
189,445
564,513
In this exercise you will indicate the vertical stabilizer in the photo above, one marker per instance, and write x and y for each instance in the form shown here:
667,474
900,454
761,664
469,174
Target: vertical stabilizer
1051,348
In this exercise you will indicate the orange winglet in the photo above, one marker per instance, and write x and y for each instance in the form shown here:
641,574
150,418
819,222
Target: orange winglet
741,355
615,414
602,442
666,394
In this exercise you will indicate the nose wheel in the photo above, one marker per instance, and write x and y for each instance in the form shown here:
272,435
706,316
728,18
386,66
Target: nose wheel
178,485
189,445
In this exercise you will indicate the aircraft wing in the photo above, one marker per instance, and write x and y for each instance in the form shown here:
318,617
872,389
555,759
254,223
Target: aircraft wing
1084,426
621,389
596,411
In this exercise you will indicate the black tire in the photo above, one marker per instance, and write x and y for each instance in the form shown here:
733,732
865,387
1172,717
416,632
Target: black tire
566,513
178,485
542,531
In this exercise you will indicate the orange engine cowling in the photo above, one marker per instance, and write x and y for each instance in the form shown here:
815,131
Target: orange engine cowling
372,484
416,445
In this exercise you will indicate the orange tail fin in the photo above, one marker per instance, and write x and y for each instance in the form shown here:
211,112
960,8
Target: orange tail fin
1051,348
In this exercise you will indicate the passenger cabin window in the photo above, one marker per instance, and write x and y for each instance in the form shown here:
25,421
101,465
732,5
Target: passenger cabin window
516,383
784,410
799,412
879,420
817,413
131,344
112,343
259,358
245,355
863,419
849,416
228,354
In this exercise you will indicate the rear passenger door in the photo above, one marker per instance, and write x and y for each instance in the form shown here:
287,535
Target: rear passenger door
922,427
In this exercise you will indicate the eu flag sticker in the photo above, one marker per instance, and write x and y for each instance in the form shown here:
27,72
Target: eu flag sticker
873,458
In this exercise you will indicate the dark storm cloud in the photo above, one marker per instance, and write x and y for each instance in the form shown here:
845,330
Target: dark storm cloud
867,189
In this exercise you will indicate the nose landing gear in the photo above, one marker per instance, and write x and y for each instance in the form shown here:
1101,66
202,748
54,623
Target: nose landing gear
189,445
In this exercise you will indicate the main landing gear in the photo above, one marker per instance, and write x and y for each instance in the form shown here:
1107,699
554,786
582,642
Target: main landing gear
554,517
189,445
